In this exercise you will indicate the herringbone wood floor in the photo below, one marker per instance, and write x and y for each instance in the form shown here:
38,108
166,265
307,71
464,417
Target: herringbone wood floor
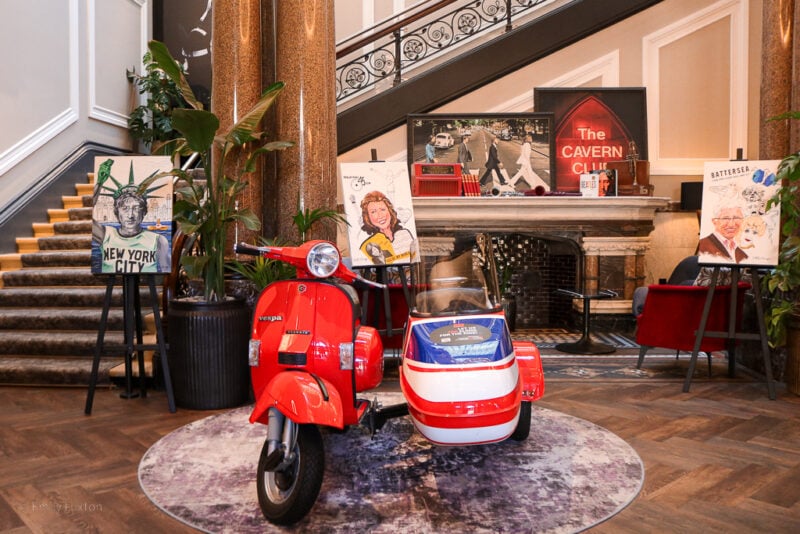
722,458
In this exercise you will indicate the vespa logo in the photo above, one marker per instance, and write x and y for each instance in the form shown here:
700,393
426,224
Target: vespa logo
270,318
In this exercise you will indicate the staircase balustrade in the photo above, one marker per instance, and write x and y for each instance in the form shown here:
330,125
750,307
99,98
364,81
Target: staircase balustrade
396,49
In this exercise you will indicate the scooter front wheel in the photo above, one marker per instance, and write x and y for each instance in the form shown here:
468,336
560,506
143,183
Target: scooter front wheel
287,495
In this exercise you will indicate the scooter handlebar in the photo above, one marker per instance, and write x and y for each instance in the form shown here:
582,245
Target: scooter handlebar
281,252
249,250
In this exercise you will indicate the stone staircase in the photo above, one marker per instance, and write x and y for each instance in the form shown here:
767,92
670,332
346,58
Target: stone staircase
51,303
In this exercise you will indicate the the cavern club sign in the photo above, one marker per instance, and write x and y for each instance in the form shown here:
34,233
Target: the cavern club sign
589,135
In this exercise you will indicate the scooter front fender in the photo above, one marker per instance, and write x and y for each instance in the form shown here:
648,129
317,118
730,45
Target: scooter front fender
303,398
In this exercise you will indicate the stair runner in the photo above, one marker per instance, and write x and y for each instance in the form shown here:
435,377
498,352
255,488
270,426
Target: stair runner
51,303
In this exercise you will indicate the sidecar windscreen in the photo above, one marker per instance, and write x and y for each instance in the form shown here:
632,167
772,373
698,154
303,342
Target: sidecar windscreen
456,284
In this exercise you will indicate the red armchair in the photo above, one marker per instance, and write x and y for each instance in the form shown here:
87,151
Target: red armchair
671,317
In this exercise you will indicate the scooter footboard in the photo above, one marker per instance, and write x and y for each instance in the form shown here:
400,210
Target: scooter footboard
530,370
303,398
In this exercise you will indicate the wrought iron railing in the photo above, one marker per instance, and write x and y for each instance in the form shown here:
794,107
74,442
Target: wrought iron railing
419,35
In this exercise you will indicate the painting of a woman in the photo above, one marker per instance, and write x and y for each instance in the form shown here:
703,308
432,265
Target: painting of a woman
388,241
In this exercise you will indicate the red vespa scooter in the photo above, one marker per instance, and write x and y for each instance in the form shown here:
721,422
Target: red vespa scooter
309,355
464,379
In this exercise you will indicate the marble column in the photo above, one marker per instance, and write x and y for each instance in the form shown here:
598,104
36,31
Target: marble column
779,60
301,36
236,82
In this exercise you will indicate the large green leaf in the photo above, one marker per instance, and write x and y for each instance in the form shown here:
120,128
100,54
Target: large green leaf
169,65
250,166
197,126
242,132
249,219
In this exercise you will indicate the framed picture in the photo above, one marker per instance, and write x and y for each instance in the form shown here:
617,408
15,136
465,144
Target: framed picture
132,215
380,216
507,151
735,225
593,126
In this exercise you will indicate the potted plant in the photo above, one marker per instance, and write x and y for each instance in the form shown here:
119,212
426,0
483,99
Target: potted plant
151,123
783,282
209,333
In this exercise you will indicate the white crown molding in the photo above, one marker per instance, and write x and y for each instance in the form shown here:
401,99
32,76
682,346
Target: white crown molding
96,111
737,10
47,131
604,67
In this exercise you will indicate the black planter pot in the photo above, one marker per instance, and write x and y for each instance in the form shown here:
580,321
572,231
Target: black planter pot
208,353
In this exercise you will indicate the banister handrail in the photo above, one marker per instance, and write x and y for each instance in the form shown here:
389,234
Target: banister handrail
405,21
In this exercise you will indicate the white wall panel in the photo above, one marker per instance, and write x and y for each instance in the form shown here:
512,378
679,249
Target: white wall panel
721,74
39,93
117,32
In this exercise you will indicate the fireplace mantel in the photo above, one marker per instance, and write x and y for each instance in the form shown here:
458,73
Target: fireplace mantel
604,216
601,227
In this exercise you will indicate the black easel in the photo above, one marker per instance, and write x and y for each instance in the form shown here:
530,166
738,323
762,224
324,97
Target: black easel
383,298
731,335
132,317
382,277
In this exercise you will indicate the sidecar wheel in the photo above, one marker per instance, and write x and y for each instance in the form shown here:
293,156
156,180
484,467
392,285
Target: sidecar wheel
524,424
286,496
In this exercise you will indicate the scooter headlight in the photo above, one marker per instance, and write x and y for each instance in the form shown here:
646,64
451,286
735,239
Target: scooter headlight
322,260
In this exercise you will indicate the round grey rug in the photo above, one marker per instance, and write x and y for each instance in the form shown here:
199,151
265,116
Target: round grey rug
569,475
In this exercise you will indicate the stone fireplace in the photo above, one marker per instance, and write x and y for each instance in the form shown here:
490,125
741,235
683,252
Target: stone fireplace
583,244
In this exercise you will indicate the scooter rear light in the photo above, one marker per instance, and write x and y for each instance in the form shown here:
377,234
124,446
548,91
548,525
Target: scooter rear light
253,352
346,356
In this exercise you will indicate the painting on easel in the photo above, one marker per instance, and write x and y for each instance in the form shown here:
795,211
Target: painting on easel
380,215
132,215
735,225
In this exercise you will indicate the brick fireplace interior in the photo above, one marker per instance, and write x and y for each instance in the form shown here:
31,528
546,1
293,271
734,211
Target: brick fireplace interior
537,267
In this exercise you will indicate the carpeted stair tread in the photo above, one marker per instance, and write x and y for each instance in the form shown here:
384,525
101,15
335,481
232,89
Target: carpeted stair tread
80,214
64,276
73,227
76,201
84,189
70,214
66,296
58,319
38,343
56,371
57,258
65,242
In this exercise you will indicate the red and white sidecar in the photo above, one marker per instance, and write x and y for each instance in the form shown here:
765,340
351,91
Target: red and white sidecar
463,377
